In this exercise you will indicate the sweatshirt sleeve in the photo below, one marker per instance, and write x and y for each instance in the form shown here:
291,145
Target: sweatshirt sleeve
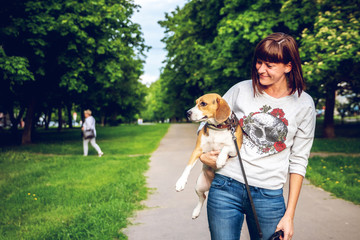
303,140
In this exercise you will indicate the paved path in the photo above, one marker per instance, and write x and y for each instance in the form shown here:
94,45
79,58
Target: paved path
168,216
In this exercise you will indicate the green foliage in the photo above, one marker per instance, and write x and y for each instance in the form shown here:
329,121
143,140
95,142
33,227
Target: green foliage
210,46
337,174
50,191
87,53
330,50
14,74
14,70
300,14
333,41
158,107
189,31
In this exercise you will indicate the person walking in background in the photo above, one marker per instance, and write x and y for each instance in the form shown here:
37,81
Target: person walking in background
278,120
89,133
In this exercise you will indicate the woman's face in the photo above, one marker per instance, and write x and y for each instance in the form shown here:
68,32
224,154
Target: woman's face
272,73
86,115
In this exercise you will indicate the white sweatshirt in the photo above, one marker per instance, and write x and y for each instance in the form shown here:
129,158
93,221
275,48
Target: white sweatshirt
89,123
278,139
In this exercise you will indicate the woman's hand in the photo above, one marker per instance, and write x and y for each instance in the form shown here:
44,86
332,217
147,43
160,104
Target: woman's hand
209,158
287,225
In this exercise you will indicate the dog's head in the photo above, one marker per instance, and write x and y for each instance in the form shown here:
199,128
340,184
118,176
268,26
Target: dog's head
209,107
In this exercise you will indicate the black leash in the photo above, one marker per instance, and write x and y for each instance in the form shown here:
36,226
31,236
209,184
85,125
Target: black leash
233,128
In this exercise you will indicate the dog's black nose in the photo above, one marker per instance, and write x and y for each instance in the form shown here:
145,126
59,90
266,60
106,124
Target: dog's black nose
188,114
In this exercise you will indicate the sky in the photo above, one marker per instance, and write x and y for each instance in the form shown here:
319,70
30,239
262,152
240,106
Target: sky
149,14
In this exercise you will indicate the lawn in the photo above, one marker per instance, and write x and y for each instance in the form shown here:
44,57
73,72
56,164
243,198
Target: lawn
339,175
50,191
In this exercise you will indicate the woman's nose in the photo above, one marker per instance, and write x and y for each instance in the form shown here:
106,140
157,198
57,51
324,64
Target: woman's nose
261,69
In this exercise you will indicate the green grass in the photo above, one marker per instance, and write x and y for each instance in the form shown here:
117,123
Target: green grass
80,197
338,145
339,175
347,138
50,191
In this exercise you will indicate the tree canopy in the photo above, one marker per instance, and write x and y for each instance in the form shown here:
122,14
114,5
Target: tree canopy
210,46
55,55
67,51
331,53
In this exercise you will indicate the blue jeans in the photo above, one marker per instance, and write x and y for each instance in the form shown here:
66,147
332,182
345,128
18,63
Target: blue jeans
228,203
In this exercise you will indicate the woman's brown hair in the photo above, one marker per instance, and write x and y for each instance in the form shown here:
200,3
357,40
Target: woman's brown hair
279,48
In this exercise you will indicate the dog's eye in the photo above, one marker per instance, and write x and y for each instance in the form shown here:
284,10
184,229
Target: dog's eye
203,104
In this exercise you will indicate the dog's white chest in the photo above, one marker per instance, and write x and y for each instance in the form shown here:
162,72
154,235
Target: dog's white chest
216,140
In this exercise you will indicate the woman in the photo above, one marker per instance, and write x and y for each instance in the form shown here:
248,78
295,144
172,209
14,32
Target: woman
278,119
89,124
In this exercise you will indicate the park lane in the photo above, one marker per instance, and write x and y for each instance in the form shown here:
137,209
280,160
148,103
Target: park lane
168,214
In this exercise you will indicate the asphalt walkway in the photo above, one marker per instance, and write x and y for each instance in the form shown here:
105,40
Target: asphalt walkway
168,214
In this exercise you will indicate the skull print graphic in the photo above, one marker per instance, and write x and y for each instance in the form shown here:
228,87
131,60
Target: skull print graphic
265,130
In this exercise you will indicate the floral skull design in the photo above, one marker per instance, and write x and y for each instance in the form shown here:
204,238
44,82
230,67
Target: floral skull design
266,130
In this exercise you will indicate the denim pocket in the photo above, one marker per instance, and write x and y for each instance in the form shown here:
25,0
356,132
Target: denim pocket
218,182
268,193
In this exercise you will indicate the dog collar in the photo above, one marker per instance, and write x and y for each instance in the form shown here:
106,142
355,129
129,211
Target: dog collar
227,125
218,127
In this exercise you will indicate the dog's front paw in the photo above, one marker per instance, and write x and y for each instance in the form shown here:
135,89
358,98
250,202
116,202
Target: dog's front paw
196,213
180,184
221,160
220,163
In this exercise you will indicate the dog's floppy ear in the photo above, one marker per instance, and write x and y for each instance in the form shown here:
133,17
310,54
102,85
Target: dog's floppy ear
223,111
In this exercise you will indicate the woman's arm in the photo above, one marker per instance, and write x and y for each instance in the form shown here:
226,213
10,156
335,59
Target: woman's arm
209,158
298,159
287,222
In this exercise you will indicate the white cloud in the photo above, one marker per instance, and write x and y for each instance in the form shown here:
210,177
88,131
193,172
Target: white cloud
148,79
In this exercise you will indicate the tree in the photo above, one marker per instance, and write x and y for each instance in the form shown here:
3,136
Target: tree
158,108
71,45
188,31
331,50
210,45
14,73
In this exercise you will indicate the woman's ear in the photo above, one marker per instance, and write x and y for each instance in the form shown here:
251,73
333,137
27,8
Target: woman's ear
223,110
288,67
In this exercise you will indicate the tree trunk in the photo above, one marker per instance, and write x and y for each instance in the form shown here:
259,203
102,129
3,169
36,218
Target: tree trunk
59,119
113,121
103,120
47,119
15,120
26,137
69,115
329,131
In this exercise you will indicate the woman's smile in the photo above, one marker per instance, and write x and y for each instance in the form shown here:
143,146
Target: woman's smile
271,73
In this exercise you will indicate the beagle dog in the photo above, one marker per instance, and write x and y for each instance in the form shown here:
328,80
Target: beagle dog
217,134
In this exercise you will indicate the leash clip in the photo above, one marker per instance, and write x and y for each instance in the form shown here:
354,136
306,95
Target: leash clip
233,133
233,125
